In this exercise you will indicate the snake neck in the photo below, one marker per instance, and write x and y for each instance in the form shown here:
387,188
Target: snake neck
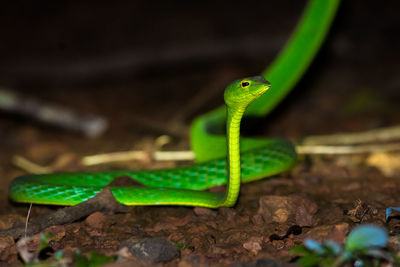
234,116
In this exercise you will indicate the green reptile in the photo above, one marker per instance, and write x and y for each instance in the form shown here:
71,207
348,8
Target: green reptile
258,158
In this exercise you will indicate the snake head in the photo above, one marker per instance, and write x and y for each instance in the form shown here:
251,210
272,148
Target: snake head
240,93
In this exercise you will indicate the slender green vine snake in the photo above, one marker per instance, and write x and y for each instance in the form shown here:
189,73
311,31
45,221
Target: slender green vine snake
251,160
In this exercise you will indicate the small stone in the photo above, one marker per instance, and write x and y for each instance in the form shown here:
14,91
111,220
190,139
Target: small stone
282,208
27,247
8,250
289,243
338,233
154,250
305,212
58,232
253,245
319,233
34,242
219,250
199,211
244,219
257,219
322,233
278,244
96,220
9,220
177,221
275,208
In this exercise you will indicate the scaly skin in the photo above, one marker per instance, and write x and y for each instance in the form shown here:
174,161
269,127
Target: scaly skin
176,186
180,186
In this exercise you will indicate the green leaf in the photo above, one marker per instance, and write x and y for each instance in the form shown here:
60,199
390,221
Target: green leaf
389,211
300,250
95,259
366,236
44,241
314,246
309,261
98,259
333,247
183,246
58,255
80,260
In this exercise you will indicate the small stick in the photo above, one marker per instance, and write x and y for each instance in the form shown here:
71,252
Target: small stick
30,166
188,155
27,219
376,135
89,125
137,155
358,149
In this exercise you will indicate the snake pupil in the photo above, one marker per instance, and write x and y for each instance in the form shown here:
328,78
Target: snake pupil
245,84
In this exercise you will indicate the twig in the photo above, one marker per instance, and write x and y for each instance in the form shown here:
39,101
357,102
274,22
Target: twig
67,118
103,201
376,135
357,149
188,155
137,155
27,219
30,166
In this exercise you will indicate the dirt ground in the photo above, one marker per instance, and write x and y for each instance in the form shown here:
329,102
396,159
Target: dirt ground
92,60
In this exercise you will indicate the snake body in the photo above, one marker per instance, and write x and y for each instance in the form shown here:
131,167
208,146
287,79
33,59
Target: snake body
257,158
178,186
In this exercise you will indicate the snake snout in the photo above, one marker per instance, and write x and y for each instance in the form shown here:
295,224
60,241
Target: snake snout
260,86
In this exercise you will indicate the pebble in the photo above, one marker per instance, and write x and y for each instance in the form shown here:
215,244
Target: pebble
96,220
338,233
253,245
199,211
8,250
153,249
257,219
9,220
280,209
58,232
322,233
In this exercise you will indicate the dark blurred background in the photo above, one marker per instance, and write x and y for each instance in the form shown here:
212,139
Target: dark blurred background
123,59
66,43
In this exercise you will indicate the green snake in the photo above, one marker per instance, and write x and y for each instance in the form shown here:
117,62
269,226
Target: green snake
250,160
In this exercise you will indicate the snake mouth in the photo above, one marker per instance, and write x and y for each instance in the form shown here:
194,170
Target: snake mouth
261,85
261,90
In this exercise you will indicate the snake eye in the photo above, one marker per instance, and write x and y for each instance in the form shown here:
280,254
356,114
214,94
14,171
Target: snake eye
244,84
